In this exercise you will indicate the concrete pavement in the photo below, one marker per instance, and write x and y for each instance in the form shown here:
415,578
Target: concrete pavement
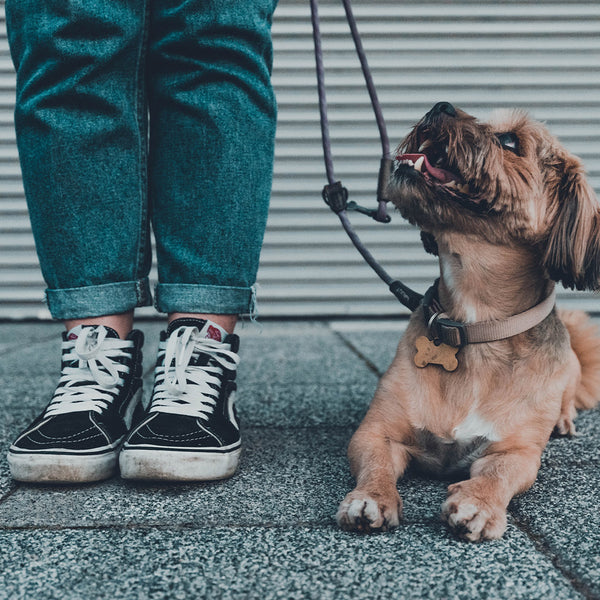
269,532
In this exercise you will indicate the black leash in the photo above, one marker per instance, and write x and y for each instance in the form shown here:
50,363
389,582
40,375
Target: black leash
335,194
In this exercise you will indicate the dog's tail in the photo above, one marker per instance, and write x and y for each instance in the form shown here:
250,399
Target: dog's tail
585,341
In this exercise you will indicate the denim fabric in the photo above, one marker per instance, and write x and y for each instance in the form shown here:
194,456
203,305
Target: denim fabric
91,75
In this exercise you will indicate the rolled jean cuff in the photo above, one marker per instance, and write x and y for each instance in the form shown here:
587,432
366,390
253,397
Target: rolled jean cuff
206,299
98,300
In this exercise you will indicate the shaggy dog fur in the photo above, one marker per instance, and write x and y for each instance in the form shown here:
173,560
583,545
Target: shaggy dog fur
509,212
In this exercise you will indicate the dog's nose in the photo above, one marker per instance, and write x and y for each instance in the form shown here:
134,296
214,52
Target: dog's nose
443,107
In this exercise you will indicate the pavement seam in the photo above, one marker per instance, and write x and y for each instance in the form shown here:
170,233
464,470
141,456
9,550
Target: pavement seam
9,494
543,548
312,525
368,362
539,543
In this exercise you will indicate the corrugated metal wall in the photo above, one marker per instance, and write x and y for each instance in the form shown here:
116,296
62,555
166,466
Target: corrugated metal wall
541,56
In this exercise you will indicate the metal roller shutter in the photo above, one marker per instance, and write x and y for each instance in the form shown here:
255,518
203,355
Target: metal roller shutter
541,56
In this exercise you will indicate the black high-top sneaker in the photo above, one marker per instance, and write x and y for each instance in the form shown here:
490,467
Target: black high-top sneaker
77,436
190,431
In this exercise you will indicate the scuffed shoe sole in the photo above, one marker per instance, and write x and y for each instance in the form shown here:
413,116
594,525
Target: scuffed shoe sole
178,465
62,468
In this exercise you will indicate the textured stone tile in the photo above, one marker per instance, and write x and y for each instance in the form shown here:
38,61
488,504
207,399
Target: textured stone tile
286,476
268,563
301,376
378,346
23,397
274,405
299,359
7,484
269,531
29,361
583,447
562,509
15,336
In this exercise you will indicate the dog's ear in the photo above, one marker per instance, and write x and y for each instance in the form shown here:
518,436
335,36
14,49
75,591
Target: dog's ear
572,253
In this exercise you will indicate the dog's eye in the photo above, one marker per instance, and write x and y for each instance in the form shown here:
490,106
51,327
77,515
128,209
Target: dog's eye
509,141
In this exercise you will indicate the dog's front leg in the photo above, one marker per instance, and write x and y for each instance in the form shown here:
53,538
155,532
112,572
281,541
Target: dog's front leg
376,462
476,508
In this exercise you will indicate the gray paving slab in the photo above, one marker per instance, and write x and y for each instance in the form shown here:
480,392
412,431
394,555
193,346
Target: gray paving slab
14,336
299,359
31,360
286,476
305,405
562,510
267,563
376,341
7,485
22,397
269,531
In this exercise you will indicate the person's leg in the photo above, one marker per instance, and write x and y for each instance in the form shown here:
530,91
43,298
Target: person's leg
212,128
81,119
213,117
227,322
81,130
121,323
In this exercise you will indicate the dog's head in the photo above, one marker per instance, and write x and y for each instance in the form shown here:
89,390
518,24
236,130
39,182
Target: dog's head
508,181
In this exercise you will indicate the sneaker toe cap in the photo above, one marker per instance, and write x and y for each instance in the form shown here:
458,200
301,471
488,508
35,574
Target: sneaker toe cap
75,432
174,431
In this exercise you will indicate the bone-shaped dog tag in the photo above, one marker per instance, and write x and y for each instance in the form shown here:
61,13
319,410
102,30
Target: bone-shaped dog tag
430,353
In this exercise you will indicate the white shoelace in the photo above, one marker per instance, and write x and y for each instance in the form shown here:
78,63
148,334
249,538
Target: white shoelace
186,389
92,384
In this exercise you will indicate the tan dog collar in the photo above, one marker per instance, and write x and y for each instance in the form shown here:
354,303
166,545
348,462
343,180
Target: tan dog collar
456,334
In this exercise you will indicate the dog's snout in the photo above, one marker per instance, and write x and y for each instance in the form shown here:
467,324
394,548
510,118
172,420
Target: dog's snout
443,108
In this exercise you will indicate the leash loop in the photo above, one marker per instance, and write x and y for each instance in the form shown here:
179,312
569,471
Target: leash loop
335,194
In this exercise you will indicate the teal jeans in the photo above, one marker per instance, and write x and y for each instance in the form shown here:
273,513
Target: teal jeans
140,113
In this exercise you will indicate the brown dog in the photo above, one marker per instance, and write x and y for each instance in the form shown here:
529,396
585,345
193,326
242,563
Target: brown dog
509,212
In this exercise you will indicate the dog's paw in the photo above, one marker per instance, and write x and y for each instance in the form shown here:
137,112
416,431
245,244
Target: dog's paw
362,512
471,518
564,427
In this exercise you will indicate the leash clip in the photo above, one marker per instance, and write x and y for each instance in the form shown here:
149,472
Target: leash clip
374,213
378,214
336,197
447,331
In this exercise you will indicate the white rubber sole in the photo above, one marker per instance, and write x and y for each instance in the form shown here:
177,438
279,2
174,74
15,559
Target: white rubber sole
62,468
177,465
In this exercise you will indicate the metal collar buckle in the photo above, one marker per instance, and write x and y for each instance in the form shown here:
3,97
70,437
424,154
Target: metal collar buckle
447,331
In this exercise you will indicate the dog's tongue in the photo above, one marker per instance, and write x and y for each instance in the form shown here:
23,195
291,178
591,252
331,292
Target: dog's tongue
437,173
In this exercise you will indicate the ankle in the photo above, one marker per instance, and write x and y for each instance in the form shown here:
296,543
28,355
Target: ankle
121,323
227,322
